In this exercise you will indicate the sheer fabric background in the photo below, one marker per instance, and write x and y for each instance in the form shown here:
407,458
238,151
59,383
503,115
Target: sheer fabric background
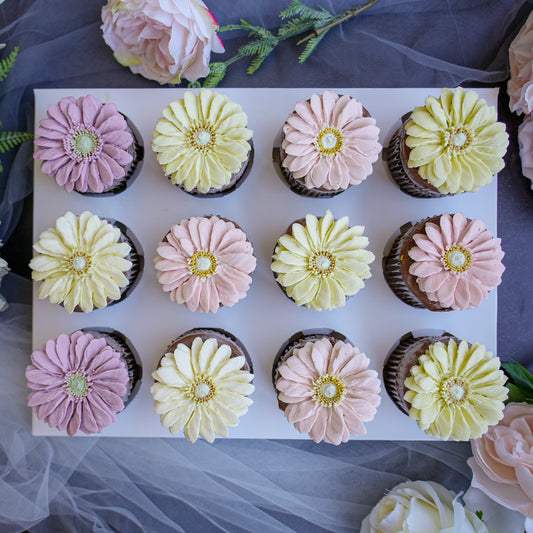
100,484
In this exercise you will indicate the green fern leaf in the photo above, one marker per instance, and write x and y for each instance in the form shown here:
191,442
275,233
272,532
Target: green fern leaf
7,63
256,30
10,139
257,47
297,8
216,74
310,47
258,61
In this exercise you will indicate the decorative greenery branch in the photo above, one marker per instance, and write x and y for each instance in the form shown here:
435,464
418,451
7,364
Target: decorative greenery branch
10,139
298,18
519,383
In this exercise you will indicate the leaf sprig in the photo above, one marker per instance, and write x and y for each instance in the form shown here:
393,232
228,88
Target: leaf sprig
298,18
520,382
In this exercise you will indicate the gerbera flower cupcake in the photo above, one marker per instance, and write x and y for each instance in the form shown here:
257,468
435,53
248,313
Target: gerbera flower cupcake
202,143
453,144
88,146
325,387
453,389
202,384
205,263
81,381
329,143
444,263
321,262
86,263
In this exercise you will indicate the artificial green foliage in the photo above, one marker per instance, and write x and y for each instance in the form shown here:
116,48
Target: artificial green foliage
10,139
298,18
519,383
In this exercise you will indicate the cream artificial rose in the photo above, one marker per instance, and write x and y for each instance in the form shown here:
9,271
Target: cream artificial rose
421,507
502,465
520,85
163,40
525,142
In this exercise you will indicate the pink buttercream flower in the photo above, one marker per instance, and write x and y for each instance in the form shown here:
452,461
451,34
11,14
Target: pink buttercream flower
456,262
329,143
83,144
77,383
329,390
205,263
520,85
502,465
163,40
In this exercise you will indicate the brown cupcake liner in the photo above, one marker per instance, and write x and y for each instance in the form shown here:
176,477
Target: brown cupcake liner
236,180
298,340
396,263
132,171
120,343
408,179
222,336
401,359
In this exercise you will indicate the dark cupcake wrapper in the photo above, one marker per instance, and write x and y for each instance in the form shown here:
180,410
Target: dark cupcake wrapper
408,179
298,340
132,170
120,343
237,347
236,180
394,274
401,359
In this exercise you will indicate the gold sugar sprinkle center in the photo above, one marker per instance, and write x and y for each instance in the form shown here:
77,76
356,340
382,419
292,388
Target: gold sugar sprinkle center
457,139
457,258
78,263
84,143
322,263
329,141
202,137
328,390
201,389
203,263
455,391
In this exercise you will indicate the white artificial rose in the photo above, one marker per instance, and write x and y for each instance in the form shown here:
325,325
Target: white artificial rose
163,40
421,507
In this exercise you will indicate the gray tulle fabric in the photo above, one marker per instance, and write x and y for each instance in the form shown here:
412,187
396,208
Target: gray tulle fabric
159,485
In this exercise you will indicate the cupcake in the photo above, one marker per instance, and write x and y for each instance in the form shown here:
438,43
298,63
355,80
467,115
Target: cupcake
86,263
444,263
321,262
325,387
88,146
202,143
452,145
79,382
328,144
202,384
453,389
205,263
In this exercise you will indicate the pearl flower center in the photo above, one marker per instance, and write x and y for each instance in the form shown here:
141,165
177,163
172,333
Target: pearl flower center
455,391
201,137
322,263
457,258
328,390
203,263
201,389
457,139
77,385
78,263
329,141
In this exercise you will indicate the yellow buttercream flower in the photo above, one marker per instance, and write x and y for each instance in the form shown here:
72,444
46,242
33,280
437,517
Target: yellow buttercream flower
322,262
456,143
81,262
456,391
202,140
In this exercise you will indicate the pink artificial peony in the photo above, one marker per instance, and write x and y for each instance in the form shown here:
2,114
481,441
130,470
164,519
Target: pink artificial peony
77,383
502,465
329,390
520,85
163,40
